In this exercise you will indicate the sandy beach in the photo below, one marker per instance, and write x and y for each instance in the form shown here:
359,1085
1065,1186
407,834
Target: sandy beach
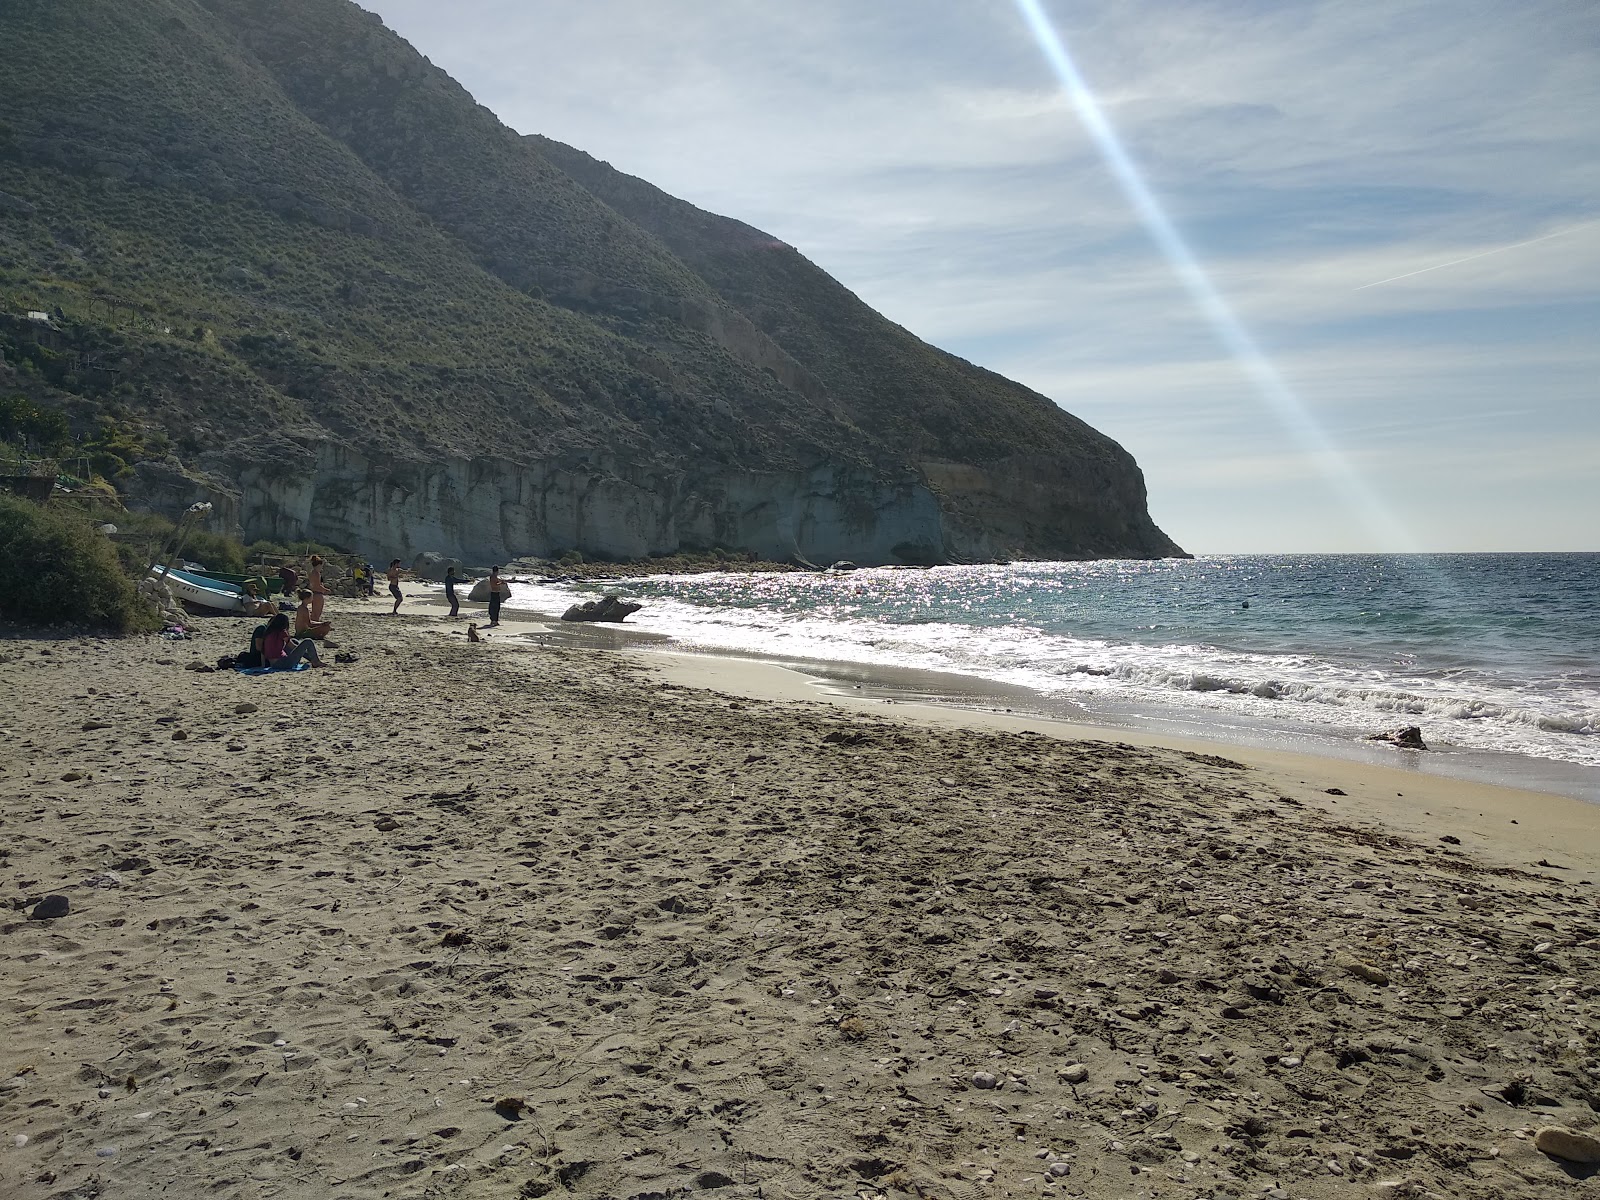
522,919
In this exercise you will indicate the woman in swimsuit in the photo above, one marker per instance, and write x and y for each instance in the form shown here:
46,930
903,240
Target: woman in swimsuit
319,590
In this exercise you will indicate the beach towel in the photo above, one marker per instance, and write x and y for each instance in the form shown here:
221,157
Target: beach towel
300,666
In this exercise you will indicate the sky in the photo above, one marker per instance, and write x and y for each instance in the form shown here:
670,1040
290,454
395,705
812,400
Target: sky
1368,318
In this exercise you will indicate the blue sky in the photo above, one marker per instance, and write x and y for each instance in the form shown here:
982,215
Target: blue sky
1323,162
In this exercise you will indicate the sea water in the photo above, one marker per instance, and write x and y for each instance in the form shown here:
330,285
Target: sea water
1498,653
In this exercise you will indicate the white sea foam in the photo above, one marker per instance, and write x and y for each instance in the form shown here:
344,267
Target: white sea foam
1548,719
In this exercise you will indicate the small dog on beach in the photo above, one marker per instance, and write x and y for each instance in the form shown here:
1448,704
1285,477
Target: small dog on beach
472,634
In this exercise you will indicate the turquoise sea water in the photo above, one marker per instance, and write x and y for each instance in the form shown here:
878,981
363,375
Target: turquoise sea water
1487,652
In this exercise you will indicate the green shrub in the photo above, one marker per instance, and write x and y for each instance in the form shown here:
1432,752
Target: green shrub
571,558
215,551
56,568
45,428
109,466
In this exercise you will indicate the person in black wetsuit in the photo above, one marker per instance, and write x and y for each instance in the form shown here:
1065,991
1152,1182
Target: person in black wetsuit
450,582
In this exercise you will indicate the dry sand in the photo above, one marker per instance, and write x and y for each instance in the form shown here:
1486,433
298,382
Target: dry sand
758,946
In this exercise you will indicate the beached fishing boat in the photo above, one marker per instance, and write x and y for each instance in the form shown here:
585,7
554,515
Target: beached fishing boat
264,585
211,594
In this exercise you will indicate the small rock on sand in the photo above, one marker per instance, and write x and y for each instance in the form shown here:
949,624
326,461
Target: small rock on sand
50,908
1569,1144
985,1081
246,708
1074,1073
1408,737
1352,965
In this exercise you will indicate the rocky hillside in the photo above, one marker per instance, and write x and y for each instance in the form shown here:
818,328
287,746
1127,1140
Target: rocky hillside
292,266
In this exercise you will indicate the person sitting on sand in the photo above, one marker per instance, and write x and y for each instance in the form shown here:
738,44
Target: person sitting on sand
304,626
319,590
253,656
281,652
394,584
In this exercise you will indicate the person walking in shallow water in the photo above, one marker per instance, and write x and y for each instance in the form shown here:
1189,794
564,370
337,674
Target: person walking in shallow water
497,591
394,585
450,582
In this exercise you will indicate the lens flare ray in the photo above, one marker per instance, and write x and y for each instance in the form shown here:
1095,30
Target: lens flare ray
1225,325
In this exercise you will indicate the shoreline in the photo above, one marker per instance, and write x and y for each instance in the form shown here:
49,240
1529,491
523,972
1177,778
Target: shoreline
523,919
1515,826
946,690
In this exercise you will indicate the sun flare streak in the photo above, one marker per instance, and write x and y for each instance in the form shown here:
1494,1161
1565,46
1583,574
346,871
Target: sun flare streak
1225,325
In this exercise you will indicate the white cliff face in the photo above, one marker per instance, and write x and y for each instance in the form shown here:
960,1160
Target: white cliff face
486,510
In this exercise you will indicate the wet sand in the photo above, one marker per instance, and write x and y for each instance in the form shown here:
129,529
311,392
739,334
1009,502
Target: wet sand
522,919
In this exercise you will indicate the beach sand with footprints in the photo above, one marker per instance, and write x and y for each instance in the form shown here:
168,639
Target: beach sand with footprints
522,919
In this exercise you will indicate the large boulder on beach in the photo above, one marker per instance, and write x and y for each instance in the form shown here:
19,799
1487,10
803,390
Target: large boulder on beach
611,608
480,591
432,567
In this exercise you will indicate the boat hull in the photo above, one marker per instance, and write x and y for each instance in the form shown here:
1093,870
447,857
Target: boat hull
202,593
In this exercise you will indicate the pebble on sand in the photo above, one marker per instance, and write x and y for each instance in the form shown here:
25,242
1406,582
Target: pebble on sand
985,1081
1570,1144
1074,1073
50,908
1352,965
245,708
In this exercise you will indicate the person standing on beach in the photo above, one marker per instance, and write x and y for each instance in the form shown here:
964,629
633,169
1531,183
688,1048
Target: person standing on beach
450,582
394,585
497,591
319,590
291,579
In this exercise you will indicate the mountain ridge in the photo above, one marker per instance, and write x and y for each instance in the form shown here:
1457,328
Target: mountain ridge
360,307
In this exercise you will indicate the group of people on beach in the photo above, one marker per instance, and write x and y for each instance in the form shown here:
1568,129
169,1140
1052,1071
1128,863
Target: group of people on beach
498,590
272,645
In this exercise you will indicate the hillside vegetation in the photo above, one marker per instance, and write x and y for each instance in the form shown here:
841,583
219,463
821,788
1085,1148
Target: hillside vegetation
263,226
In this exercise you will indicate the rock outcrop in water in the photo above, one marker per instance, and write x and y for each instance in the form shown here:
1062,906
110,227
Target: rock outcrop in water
302,274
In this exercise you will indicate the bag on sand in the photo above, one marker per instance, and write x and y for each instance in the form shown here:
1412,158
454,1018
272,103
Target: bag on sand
252,656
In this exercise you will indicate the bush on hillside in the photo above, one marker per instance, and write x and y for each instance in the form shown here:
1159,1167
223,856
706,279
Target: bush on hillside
215,551
56,568
46,429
